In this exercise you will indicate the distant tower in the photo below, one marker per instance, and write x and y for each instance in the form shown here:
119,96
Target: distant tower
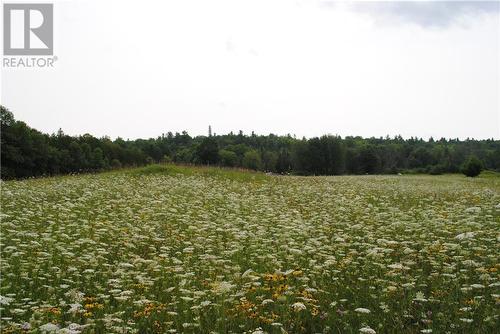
209,131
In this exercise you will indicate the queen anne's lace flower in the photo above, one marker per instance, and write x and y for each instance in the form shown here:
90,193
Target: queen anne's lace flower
125,252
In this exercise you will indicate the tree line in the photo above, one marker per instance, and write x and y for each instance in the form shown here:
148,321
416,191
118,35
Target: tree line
27,152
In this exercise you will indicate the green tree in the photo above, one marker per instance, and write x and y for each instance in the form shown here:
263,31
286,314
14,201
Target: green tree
269,160
6,117
26,152
300,157
368,161
284,163
77,156
208,151
228,158
251,160
184,155
472,167
98,162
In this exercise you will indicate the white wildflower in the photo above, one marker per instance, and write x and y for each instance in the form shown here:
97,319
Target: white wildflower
362,310
420,297
298,306
367,330
5,300
49,328
467,235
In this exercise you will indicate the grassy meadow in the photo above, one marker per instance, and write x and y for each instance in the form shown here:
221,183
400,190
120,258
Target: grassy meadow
167,249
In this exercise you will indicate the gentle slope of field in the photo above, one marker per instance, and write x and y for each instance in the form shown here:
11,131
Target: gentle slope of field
195,250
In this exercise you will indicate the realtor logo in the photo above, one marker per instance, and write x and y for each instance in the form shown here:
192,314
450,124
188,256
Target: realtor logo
28,29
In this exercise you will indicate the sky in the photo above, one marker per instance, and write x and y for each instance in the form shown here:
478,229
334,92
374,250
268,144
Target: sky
137,69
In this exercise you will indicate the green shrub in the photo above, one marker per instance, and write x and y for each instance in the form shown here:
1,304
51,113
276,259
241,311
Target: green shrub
472,167
437,169
115,164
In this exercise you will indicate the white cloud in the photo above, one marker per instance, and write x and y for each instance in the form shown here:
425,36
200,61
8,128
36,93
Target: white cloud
424,13
137,69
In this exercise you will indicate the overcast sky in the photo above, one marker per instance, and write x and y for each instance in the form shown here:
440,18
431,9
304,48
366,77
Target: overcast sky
136,69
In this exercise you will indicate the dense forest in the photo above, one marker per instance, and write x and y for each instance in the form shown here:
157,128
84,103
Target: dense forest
26,152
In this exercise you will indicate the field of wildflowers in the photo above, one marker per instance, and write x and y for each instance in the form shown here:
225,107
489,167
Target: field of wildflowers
173,250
